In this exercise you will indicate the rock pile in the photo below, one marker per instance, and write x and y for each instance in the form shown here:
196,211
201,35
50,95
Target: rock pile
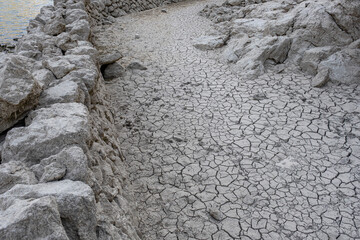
61,172
321,37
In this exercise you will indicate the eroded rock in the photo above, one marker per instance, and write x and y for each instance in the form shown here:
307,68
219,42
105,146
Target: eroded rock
48,131
19,92
75,201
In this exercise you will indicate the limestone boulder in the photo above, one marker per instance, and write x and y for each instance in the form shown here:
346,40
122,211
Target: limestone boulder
87,76
59,66
344,66
55,26
210,42
80,29
84,50
43,76
108,58
70,163
13,173
312,57
31,219
73,15
75,203
65,92
19,92
48,131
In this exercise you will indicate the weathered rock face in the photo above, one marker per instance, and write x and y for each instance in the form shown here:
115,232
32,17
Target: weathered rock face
103,10
48,131
31,219
71,203
319,35
19,92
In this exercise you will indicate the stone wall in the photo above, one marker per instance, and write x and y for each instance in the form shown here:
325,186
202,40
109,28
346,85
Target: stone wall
61,171
101,9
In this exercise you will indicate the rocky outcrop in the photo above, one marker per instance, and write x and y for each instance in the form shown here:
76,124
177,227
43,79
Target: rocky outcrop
317,36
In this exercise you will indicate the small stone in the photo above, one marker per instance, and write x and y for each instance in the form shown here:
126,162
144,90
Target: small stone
136,65
137,36
215,214
164,10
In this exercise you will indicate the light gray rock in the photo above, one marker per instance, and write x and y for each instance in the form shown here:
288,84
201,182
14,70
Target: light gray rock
65,41
344,66
312,57
113,70
80,30
19,92
109,58
75,200
43,76
252,58
210,42
65,92
85,75
321,78
59,66
84,50
73,15
49,130
13,173
55,26
31,219
70,163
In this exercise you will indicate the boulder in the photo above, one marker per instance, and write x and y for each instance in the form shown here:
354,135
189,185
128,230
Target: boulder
80,29
55,26
344,66
48,131
113,70
59,66
70,163
13,173
85,75
31,219
73,15
210,42
75,201
321,78
312,57
19,92
109,58
65,92
84,50
43,76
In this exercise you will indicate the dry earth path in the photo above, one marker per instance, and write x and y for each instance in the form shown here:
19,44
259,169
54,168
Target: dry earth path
213,156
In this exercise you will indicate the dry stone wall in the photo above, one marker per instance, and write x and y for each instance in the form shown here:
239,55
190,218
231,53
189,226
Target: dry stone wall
61,174
103,9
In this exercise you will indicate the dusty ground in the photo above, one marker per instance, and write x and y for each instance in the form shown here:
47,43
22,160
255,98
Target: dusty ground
213,156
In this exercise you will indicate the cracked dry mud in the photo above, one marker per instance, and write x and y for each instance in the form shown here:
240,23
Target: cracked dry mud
213,156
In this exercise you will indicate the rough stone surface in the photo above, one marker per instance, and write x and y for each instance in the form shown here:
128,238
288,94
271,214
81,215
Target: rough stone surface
13,173
113,70
75,203
212,155
65,92
48,131
318,31
70,163
31,219
19,92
